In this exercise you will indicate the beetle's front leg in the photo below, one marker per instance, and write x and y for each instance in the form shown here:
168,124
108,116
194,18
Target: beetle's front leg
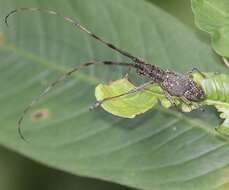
189,73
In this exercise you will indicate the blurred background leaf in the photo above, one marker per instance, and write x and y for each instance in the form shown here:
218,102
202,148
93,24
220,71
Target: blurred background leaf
177,8
213,17
18,173
158,150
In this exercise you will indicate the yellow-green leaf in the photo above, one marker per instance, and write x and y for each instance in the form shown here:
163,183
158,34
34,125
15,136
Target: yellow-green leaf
127,106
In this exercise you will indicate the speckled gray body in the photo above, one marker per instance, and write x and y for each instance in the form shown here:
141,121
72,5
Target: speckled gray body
175,84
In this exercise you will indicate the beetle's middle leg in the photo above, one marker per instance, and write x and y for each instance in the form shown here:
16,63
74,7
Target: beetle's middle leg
170,98
189,103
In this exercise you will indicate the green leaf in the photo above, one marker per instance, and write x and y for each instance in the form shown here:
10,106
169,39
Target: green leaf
162,149
213,17
216,87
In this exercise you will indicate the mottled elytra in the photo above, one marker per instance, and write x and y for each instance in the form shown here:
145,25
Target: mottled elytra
173,84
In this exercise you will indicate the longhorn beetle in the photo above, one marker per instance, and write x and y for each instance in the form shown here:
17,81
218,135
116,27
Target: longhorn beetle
174,84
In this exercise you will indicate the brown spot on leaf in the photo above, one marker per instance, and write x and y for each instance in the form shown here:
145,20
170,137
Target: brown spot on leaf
40,115
2,39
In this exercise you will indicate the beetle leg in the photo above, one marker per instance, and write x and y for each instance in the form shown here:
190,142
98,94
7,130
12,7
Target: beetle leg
194,69
189,103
